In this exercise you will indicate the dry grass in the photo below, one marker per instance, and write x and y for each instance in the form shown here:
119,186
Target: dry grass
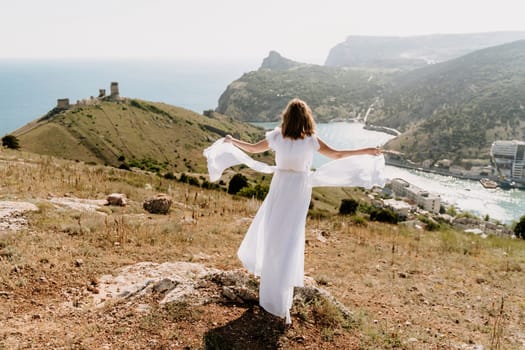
405,288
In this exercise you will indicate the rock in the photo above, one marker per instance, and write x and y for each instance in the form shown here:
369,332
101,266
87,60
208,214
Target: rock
228,293
480,280
164,285
12,215
79,262
117,199
93,289
159,204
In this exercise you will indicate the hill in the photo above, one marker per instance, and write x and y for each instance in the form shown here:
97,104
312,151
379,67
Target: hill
456,109
404,288
131,131
453,110
331,92
412,52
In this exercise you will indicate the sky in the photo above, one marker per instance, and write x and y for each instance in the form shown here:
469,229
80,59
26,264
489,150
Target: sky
303,30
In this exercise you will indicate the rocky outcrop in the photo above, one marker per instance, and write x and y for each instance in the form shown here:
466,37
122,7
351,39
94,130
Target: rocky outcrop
195,284
117,199
12,216
275,61
159,204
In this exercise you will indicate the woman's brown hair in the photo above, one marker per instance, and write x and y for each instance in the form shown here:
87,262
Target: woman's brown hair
298,121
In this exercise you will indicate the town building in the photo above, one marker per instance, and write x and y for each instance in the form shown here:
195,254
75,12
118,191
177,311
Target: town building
509,159
399,207
424,199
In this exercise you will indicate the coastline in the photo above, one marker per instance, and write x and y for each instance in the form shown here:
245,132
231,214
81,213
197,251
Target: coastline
444,172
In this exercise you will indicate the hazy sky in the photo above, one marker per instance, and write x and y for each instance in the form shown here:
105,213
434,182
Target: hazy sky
303,30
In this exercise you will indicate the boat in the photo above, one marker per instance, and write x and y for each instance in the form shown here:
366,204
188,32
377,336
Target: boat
488,183
507,185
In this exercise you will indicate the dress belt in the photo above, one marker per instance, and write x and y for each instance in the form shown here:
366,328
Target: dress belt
292,171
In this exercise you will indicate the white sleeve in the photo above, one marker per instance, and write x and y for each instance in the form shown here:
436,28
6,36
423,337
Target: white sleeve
315,142
271,136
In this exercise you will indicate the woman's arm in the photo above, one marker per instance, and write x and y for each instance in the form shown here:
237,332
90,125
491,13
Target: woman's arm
258,147
328,151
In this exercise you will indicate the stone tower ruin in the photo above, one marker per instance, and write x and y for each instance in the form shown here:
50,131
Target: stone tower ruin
63,103
114,91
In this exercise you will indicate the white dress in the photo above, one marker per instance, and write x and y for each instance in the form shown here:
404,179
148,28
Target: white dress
273,247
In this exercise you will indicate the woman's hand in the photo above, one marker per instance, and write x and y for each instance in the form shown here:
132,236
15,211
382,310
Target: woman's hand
377,151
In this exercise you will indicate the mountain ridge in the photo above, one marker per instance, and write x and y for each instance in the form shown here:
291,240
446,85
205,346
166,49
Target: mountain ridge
410,52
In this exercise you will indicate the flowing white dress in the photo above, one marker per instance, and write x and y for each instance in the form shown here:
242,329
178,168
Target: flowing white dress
273,247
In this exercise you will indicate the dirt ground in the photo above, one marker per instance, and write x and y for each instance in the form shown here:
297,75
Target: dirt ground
405,288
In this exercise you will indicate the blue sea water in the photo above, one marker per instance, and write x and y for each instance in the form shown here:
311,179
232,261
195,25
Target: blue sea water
29,89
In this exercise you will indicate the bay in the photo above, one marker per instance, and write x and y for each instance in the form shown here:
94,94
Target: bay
467,195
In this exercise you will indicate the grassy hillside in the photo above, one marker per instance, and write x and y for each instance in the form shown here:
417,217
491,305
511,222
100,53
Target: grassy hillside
331,92
456,109
131,131
405,288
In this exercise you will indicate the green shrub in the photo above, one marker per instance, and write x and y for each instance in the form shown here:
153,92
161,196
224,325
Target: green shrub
519,229
194,181
10,141
258,191
430,225
170,176
358,220
147,164
348,206
210,185
237,182
384,215
124,166
191,180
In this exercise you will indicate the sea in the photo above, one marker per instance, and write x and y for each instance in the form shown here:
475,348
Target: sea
30,88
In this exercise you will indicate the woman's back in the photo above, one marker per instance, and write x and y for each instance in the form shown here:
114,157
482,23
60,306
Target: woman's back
295,155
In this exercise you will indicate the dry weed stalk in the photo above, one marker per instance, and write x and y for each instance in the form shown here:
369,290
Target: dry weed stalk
496,335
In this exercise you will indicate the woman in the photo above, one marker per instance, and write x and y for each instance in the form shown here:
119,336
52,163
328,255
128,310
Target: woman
273,247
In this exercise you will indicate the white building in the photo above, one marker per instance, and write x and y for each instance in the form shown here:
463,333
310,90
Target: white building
509,158
399,207
428,201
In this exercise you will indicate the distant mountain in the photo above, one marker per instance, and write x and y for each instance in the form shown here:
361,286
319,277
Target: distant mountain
131,131
456,109
412,52
331,92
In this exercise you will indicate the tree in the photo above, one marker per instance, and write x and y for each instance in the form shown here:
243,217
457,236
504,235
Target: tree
237,182
10,141
519,229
